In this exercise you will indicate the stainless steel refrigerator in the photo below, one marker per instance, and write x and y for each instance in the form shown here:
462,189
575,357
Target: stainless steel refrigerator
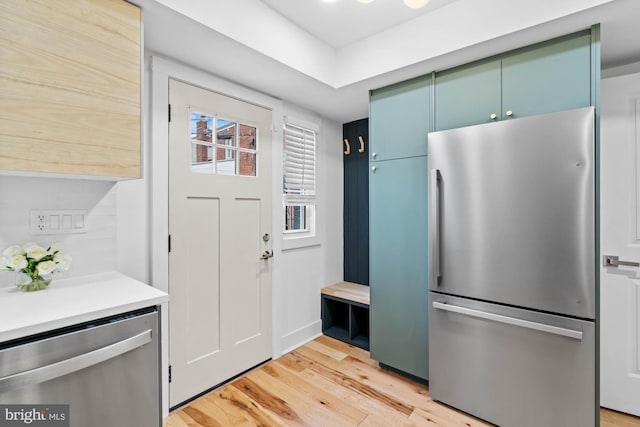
512,301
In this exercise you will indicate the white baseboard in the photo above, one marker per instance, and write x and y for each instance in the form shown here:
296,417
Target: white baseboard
301,336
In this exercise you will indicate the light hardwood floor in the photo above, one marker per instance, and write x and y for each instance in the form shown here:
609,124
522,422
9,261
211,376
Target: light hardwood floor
329,383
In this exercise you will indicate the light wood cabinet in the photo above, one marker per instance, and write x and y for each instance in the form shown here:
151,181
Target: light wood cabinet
70,84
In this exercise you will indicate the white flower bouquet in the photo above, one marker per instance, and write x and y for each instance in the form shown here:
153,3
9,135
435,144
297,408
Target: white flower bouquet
35,264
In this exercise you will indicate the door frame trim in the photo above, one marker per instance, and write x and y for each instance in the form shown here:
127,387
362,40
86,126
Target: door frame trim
157,74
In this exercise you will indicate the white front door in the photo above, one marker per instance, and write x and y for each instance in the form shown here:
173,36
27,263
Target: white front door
219,223
620,236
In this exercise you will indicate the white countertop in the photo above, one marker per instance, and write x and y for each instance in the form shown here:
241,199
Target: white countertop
71,301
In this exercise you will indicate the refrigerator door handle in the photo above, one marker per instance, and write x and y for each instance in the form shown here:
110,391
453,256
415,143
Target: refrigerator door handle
67,366
570,333
434,226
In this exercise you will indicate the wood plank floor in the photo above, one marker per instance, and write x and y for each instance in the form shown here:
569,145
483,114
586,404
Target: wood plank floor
329,383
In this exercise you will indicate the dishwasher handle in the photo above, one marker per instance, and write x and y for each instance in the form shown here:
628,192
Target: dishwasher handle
67,366
570,333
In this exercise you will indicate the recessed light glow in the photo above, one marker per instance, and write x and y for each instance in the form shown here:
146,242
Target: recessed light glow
416,4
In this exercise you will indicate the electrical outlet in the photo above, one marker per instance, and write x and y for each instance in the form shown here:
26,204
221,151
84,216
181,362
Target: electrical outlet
63,221
41,223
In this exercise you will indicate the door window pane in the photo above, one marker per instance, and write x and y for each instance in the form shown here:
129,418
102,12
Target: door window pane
246,163
201,127
201,158
233,152
201,143
248,137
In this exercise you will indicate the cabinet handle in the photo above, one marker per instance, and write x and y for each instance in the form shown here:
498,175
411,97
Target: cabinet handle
374,155
348,150
361,149
509,113
374,168
493,116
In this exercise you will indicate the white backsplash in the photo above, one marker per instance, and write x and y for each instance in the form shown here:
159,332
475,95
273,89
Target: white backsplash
92,252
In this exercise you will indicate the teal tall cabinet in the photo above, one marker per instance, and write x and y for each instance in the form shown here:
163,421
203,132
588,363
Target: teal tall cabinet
556,75
399,121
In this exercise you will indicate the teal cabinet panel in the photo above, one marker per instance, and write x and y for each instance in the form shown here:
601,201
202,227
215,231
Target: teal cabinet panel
467,95
553,77
398,264
400,120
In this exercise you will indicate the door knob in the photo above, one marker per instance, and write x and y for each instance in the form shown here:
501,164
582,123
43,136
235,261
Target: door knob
374,155
509,113
267,255
493,116
374,168
614,261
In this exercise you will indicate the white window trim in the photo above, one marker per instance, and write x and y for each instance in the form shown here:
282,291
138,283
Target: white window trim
295,239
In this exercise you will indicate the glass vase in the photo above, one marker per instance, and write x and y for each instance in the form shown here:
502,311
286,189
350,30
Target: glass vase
28,283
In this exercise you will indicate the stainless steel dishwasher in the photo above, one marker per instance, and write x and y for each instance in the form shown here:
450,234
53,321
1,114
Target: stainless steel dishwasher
107,371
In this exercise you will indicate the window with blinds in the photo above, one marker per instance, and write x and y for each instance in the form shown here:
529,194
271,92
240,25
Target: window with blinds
299,181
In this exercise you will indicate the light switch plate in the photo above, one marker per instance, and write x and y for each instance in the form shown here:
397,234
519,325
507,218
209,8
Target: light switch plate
60,221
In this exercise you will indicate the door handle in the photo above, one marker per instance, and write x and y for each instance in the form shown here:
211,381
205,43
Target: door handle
361,149
267,255
614,261
556,330
434,226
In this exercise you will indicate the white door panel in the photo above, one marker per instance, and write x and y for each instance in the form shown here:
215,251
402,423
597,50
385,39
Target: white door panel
219,211
620,236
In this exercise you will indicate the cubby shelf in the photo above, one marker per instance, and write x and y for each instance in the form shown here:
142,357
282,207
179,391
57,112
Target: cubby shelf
345,313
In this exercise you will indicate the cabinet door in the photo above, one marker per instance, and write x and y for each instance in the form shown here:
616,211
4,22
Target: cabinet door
553,77
70,85
398,260
467,95
399,116
356,203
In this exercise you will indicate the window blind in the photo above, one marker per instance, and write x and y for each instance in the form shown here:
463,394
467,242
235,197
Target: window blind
299,165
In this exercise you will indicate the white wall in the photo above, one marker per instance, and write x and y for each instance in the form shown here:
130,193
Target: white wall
300,273
92,252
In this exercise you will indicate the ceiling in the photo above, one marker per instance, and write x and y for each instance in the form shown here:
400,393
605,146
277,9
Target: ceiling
343,22
326,57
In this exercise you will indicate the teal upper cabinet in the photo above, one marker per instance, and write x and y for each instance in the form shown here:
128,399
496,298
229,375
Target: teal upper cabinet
399,118
553,77
544,78
468,95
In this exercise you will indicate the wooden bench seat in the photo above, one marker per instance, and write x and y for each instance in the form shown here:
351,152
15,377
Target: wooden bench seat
348,291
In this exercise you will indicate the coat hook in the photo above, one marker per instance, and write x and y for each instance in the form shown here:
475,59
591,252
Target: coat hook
348,150
361,149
